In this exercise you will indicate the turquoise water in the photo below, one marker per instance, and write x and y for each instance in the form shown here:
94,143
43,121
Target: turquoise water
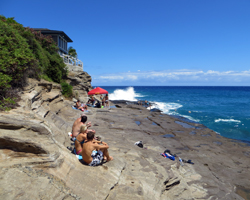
225,110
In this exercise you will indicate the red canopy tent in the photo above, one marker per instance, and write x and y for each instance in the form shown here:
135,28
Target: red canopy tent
97,90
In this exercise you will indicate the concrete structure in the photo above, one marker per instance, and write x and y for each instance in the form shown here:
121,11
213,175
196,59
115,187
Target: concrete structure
72,63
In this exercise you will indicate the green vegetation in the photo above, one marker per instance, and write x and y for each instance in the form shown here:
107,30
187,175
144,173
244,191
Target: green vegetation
66,89
72,52
25,53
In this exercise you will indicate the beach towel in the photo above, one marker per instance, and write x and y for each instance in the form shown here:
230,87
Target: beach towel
167,155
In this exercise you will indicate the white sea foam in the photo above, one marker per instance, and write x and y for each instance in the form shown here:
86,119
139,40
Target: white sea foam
190,118
126,94
227,120
171,109
166,107
129,94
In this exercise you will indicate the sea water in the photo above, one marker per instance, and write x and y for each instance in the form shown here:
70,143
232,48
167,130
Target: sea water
225,110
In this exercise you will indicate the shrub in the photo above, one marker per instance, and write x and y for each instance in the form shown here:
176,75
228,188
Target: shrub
16,61
26,53
7,103
56,70
66,89
45,77
15,57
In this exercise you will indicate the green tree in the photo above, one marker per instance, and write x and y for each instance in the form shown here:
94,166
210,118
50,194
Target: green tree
16,63
72,52
25,53
16,58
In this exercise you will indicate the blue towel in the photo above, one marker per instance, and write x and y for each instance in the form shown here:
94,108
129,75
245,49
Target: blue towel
74,107
167,155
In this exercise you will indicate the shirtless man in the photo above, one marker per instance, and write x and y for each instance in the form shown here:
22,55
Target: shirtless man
78,123
81,138
92,152
106,100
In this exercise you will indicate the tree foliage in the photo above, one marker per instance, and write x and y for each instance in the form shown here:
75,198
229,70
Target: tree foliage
72,52
24,53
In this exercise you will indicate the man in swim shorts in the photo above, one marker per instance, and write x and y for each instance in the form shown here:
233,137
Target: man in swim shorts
77,124
93,153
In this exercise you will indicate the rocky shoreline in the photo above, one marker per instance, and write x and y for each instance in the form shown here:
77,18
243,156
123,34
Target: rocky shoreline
36,164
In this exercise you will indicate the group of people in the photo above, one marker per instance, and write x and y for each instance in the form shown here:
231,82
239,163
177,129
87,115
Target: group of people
104,101
92,102
93,152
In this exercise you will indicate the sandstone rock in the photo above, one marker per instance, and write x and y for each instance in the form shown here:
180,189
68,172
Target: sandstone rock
81,82
35,163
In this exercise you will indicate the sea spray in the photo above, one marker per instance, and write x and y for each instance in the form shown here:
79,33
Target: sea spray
127,94
167,108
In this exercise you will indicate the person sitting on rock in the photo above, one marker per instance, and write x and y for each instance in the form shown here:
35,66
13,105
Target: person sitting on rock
93,153
77,124
84,106
81,107
92,100
80,138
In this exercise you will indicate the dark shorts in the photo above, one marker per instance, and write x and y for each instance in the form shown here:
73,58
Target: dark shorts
97,158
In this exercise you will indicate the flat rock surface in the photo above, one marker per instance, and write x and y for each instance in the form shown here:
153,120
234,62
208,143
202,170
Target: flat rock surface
36,164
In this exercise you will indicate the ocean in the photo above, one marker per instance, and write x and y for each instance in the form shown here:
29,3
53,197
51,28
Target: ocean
226,110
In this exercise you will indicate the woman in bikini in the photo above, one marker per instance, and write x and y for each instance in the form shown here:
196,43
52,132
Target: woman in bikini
80,138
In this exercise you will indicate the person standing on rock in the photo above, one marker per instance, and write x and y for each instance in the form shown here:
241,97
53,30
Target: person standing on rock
92,152
106,100
77,124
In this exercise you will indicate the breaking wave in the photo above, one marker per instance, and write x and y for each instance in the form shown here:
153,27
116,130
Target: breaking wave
166,107
128,94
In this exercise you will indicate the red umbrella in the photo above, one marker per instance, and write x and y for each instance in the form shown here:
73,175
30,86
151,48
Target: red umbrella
97,90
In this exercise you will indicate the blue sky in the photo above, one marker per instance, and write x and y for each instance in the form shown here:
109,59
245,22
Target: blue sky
162,42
